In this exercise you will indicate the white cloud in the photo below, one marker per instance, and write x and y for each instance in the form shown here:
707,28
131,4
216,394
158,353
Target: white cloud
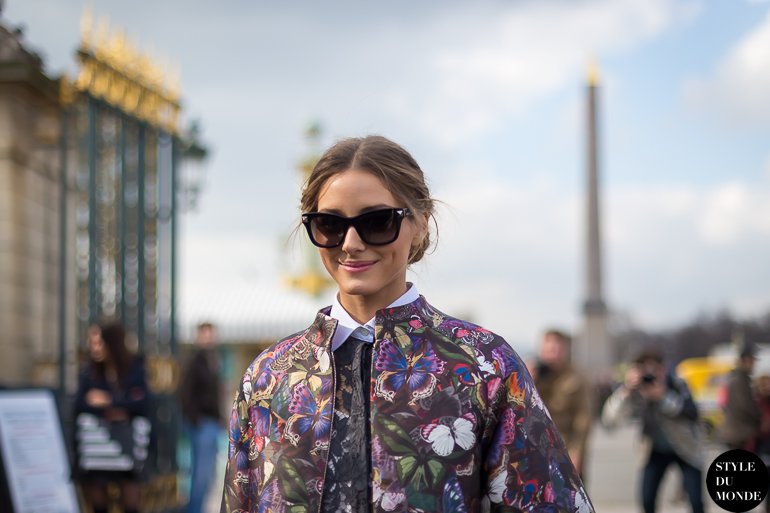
525,53
677,245
515,250
738,88
734,211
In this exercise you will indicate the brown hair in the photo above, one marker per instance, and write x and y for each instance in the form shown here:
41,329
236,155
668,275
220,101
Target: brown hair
114,336
649,355
389,162
560,335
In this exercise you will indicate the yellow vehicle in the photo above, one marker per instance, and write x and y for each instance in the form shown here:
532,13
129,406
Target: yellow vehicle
706,378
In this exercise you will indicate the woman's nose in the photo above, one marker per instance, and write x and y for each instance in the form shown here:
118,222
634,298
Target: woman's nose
352,242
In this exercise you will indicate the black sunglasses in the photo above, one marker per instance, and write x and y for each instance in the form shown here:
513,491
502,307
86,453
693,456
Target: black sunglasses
376,228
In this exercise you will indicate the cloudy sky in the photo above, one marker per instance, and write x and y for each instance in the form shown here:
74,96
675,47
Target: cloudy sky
489,97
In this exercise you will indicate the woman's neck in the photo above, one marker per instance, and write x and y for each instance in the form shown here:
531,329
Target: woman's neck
362,308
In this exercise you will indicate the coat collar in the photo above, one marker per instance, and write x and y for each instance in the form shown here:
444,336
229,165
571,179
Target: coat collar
322,330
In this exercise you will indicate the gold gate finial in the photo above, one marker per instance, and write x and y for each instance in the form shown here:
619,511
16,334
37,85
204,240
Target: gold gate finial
593,72
112,69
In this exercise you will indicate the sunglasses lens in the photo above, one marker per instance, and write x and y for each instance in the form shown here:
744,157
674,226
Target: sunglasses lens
377,228
380,227
328,230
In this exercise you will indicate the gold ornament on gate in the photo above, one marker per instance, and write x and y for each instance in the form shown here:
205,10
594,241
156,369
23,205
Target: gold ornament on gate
114,70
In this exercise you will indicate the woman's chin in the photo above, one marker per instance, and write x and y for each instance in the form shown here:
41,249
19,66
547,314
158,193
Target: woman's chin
357,289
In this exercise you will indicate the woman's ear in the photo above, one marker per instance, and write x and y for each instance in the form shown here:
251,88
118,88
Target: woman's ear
421,230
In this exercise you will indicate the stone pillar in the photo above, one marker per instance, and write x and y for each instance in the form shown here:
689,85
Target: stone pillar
29,216
594,352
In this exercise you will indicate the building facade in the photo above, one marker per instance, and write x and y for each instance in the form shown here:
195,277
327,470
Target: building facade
30,222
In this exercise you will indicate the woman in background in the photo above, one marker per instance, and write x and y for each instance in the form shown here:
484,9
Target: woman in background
112,398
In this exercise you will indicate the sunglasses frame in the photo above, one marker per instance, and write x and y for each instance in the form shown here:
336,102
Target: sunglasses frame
398,213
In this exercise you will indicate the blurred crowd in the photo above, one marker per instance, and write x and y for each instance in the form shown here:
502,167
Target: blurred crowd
676,429
112,419
112,429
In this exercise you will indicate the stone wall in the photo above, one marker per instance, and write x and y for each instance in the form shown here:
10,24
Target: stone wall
29,219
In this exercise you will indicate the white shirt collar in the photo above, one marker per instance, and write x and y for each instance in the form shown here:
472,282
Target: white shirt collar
347,326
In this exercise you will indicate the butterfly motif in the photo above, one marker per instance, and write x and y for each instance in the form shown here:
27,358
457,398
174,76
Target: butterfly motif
238,448
383,463
316,485
308,415
415,323
504,436
284,359
506,360
486,367
262,387
497,487
246,388
493,388
261,376
443,436
259,418
468,468
417,371
301,349
323,355
389,498
519,388
270,500
470,334
244,483
466,374
453,500
527,493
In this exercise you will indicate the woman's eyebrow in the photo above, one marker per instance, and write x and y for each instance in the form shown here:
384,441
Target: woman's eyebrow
364,210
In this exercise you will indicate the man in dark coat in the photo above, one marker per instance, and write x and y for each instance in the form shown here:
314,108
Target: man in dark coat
200,391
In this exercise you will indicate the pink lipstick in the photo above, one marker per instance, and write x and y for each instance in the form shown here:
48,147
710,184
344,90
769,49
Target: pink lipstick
356,267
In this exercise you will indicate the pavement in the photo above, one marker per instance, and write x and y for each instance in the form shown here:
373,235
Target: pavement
612,479
614,470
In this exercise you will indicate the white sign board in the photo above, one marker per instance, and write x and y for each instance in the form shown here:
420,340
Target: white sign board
36,463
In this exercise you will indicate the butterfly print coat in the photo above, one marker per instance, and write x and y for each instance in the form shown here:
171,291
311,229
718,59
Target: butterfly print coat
456,423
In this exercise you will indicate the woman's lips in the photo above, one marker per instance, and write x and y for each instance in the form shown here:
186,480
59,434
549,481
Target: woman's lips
357,267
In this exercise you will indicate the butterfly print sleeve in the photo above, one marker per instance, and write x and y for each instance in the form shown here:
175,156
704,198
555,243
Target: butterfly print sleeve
235,495
527,465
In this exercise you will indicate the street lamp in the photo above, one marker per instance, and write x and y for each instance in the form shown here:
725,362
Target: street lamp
192,170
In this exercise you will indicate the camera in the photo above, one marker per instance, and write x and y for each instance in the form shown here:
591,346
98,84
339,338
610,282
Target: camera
648,378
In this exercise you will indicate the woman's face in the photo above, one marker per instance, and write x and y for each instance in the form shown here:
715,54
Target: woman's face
96,345
375,272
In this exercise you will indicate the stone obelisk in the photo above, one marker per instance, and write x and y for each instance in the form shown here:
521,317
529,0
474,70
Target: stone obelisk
594,352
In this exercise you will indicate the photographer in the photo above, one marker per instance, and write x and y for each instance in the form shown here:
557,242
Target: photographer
670,428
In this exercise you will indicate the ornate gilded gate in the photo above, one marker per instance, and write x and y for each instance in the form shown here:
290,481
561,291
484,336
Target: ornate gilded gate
121,131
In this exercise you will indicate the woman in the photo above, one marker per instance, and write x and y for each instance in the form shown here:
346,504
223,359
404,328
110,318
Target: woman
111,402
385,403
